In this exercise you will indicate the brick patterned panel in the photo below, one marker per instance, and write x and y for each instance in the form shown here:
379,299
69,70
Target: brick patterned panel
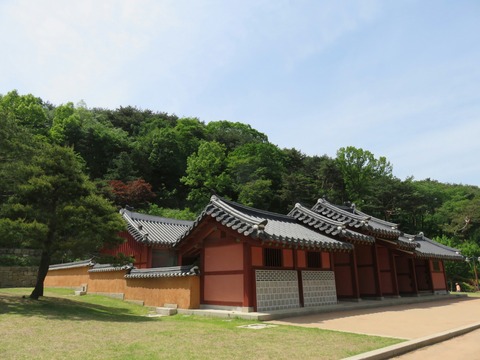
277,289
319,288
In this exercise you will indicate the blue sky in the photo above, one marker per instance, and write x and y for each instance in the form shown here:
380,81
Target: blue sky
398,78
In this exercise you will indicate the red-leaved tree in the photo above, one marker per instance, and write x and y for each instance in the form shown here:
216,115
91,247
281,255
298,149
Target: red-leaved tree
137,193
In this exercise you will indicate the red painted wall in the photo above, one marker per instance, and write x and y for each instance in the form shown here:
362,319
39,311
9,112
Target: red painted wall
257,256
404,276
366,281
366,270
326,260
223,289
223,273
132,248
386,271
223,257
422,271
438,277
287,258
364,255
301,259
343,275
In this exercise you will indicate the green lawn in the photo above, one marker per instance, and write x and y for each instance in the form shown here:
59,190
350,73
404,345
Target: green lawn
469,294
64,326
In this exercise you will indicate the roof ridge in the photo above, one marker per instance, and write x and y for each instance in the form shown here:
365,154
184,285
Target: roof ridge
344,212
155,218
318,216
381,221
233,204
221,203
431,241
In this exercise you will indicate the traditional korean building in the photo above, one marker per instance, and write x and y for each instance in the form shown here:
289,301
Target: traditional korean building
388,266
258,260
150,240
238,257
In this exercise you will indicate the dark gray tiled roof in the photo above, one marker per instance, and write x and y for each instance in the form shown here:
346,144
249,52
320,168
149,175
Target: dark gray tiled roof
154,230
430,249
265,225
327,225
71,265
109,267
357,220
173,271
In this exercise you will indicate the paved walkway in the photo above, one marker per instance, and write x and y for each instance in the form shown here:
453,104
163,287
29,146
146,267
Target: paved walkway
461,347
423,324
403,321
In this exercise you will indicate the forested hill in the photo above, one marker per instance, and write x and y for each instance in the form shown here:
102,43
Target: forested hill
162,164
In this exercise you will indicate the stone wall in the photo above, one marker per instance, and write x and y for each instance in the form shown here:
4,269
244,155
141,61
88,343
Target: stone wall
18,276
24,252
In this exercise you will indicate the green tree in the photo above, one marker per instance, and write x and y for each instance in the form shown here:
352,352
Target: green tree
206,173
66,126
58,209
162,155
180,214
361,171
122,167
27,110
233,134
136,121
257,166
310,177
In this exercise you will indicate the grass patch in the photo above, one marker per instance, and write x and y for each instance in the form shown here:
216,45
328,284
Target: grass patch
62,325
469,294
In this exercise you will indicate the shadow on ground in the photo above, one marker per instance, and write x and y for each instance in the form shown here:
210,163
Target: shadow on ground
61,308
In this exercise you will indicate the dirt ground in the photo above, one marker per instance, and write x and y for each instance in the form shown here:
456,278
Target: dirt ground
409,322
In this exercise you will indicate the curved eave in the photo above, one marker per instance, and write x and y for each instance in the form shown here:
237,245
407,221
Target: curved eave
151,276
328,226
110,268
307,243
72,265
438,256
227,216
408,247
357,238
175,271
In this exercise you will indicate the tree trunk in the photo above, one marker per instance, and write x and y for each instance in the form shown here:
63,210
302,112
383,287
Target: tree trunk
42,273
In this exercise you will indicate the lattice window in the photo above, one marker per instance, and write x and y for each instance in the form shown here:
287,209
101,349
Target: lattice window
314,260
272,257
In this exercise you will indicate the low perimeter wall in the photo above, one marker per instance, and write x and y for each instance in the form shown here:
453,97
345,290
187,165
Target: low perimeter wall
184,291
18,276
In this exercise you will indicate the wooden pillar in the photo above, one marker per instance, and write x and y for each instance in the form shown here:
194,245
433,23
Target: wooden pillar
394,273
444,277
179,259
148,256
202,275
413,273
247,276
376,271
354,270
428,264
300,283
